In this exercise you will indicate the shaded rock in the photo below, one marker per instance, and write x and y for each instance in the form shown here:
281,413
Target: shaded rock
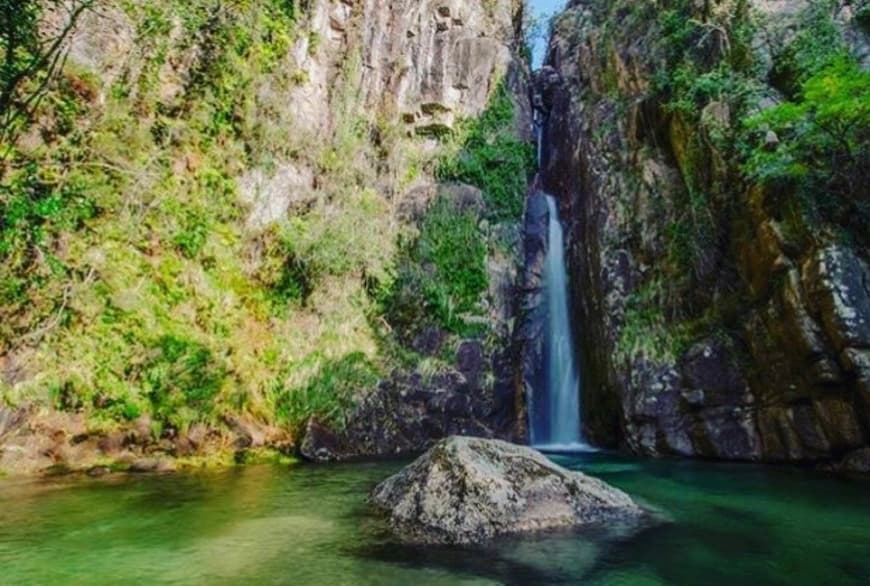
470,362
429,341
406,414
467,490
465,198
528,334
320,444
857,461
98,471
112,443
415,202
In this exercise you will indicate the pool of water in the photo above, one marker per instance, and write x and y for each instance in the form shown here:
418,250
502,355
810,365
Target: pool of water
729,524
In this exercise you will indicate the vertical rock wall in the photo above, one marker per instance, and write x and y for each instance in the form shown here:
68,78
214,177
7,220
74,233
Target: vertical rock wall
763,353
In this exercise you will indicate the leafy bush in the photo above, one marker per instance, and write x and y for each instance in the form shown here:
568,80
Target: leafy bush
824,143
37,204
329,394
816,45
442,273
181,379
492,157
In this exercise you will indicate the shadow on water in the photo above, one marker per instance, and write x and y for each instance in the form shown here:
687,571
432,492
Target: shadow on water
555,558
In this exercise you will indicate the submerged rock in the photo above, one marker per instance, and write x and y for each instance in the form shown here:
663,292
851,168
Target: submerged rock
468,490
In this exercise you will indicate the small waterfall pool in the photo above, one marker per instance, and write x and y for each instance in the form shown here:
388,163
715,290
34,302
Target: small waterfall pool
731,524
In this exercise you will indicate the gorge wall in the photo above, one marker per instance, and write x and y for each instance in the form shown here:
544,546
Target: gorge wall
725,303
278,224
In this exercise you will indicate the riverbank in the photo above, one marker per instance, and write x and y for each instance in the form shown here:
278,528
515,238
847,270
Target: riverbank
36,441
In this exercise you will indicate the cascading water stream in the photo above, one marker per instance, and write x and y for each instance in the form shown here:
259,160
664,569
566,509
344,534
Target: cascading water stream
561,395
556,407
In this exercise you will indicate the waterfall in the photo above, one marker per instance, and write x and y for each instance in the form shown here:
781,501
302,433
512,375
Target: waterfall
560,398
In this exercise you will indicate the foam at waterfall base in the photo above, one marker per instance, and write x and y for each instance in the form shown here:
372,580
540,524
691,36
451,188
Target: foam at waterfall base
572,448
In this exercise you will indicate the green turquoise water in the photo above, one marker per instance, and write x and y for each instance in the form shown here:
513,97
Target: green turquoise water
729,524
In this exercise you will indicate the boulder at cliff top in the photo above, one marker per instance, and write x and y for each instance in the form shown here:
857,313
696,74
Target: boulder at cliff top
468,490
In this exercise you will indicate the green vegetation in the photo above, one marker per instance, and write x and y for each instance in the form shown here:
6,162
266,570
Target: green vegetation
442,273
488,154
181,379
440,278
822,151
707,64
127,266
30,56
137,278
328,395
706,61
807,155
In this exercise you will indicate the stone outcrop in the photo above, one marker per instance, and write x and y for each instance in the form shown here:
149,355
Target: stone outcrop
427,63
469,490
531,313
408,413
474,395
761,352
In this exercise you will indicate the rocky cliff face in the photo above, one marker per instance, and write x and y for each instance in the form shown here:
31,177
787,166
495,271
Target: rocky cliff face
426,63
264,184
717,323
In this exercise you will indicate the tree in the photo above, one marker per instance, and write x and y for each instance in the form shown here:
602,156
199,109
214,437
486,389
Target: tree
32,52
823,141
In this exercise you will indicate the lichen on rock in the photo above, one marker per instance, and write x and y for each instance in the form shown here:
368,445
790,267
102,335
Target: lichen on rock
470,490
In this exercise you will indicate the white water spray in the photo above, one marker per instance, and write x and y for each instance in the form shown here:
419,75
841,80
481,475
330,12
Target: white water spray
562,430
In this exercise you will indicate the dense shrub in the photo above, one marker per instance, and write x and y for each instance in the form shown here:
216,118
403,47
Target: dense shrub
329,394
492,157
823,148
181,379
442,272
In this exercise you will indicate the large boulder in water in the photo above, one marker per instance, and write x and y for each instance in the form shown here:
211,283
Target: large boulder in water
468,490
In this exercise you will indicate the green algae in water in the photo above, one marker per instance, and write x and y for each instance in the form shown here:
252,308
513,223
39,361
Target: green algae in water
729,524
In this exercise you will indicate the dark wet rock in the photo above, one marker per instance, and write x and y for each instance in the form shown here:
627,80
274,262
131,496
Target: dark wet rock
857,461
99,471
761,338
321,444
406,414
429,342
471,362
546,82
528,334
469,490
